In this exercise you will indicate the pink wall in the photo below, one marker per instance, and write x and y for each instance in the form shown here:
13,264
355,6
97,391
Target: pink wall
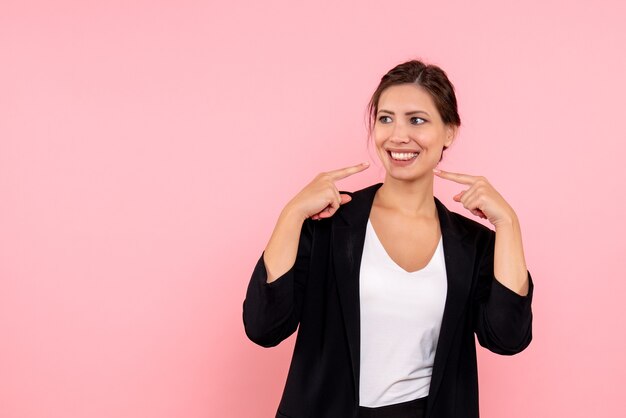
146,150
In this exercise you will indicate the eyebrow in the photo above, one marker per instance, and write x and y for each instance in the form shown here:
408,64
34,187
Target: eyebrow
407,113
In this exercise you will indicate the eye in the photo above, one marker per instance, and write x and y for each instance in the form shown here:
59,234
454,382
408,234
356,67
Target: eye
384,119
417,121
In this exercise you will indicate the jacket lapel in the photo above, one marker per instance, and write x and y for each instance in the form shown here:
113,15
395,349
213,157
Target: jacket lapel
459,265
348,238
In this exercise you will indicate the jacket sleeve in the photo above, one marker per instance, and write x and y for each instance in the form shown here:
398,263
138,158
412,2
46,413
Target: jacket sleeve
271,311
502,318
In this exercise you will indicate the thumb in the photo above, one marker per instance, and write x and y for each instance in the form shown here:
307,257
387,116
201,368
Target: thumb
345,198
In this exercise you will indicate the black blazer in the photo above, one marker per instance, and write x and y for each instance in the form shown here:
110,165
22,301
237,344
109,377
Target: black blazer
320,293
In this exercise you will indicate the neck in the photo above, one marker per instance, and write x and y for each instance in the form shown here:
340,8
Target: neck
412,198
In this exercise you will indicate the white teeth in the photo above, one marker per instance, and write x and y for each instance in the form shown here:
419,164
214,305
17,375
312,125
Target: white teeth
403,155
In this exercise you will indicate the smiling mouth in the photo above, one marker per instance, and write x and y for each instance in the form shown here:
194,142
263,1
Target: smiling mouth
403,156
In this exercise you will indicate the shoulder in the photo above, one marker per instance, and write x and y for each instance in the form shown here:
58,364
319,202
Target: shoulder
356,211
474,227
462,227
364,193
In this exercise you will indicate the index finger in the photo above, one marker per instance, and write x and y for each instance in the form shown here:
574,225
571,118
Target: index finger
348,171
456,177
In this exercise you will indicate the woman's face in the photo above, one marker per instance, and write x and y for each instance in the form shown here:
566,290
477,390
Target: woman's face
409,133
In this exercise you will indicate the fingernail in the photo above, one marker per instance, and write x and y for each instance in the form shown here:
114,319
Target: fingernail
436,171
366,163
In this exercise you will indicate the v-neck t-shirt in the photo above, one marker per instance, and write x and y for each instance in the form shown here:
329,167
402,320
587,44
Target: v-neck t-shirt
401,315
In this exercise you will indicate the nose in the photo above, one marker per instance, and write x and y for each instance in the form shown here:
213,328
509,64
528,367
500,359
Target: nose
399,134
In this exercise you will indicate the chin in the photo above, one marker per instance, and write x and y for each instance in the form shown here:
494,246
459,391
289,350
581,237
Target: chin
409,175
404,177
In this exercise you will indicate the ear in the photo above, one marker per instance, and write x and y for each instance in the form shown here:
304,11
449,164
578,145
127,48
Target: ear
451,131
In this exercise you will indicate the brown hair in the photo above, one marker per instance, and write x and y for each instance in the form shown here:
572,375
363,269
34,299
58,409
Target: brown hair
431,78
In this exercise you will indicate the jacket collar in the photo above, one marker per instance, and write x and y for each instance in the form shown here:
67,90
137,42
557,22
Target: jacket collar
348,229
357,211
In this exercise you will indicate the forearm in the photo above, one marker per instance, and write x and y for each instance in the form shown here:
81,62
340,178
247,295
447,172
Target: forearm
509,264
282,248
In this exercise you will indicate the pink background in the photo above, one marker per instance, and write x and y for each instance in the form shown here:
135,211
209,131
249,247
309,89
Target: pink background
146,150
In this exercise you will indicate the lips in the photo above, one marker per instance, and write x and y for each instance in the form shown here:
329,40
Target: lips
403,155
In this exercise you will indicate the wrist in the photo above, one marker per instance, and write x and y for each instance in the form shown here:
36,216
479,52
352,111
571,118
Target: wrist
292,213
507,222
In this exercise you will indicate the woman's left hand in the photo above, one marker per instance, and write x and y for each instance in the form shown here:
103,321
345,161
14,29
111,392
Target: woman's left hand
481,198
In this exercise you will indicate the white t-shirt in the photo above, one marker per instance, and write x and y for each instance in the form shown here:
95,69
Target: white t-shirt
401,316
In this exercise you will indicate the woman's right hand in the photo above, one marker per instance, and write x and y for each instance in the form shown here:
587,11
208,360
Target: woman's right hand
320,198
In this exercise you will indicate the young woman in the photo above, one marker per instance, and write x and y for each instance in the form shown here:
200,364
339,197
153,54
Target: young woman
387,286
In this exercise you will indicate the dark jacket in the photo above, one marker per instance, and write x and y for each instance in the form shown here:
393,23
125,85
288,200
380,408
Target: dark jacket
320,293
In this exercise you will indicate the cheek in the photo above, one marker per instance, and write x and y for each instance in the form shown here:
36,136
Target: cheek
381,133
430,138
378,137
